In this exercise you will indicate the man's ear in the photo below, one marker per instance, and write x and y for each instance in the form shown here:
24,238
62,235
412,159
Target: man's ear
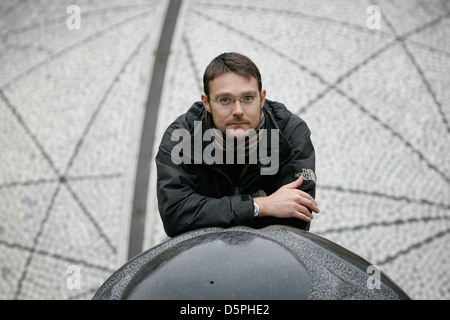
206,103
263,97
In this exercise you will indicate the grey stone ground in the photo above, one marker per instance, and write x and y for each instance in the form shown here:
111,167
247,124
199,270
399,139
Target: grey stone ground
72,103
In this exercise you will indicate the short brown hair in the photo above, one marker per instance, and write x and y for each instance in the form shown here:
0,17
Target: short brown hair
230,62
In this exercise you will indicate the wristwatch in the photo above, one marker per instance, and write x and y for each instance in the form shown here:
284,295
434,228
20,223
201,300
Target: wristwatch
255,209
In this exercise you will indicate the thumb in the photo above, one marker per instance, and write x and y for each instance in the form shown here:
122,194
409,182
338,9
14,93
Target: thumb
295,184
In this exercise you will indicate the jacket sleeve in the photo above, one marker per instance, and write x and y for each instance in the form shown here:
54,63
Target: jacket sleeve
303,157
182,209
301,162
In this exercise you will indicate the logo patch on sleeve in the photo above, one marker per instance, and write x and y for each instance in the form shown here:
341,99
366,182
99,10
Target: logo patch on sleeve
307,174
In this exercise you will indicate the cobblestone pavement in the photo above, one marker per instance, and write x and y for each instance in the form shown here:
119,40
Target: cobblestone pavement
72,103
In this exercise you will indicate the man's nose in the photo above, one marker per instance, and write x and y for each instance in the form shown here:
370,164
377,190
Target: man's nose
237,108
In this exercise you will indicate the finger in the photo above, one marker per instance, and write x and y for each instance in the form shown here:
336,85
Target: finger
304,215
295,184
302,211
307,196
310,204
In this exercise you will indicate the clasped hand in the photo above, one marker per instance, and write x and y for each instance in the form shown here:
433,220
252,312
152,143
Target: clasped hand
288,202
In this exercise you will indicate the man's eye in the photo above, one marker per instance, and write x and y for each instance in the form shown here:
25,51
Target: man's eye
224,100
249,98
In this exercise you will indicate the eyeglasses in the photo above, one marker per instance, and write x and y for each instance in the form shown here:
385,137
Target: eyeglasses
247,101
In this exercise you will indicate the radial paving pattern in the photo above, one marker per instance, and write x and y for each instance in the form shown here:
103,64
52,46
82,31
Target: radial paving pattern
71,106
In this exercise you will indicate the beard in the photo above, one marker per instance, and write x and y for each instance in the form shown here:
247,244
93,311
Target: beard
239,140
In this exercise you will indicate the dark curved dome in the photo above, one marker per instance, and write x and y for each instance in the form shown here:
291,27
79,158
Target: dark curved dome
238,265
241,263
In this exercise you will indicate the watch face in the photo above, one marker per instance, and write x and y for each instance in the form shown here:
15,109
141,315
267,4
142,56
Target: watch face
255,209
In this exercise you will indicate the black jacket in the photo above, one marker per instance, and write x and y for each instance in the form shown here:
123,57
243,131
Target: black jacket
194,195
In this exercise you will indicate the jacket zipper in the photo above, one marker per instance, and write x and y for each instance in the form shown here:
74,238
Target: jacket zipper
236,188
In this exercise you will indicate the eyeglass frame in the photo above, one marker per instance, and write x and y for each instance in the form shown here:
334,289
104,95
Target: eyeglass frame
233,100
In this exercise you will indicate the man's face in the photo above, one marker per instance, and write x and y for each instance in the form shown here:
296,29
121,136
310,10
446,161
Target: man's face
238,117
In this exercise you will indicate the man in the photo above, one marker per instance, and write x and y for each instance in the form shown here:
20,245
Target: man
235,158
